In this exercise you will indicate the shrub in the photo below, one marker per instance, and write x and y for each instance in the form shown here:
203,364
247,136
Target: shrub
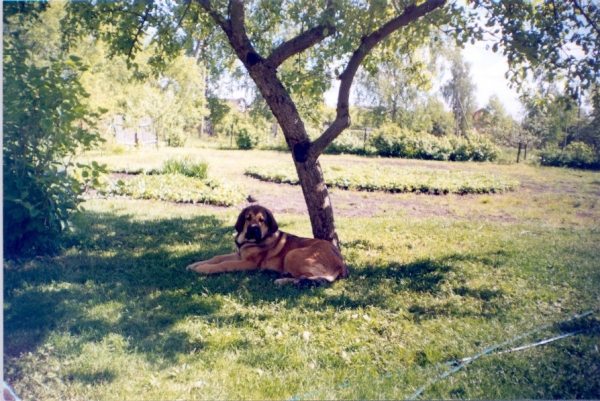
246,138
391,141
44,127
575,155
186,166
347,143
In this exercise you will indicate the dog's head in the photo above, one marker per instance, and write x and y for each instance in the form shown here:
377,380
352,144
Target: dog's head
255,223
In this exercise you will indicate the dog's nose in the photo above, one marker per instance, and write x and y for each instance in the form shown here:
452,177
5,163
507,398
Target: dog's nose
253,232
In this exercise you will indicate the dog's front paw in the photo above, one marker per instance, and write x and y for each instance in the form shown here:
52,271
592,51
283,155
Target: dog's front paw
196,267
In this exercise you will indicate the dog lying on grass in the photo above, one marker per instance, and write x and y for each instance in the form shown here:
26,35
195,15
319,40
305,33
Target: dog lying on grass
261,245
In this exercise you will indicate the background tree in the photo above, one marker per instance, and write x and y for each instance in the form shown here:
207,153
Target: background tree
395,86
459,93
495,122
333,39
590,131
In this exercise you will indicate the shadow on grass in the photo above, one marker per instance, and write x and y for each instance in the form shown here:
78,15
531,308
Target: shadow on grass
127,277
123,276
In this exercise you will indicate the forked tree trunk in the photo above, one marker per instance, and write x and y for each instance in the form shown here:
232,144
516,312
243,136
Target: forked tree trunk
264,73
310,174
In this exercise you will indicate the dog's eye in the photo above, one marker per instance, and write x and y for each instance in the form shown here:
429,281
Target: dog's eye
261,220
249,218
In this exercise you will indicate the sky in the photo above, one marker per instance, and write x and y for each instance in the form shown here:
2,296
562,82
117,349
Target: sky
487,71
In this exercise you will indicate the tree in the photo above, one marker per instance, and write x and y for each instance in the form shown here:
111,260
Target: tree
325,39
459,93
395,85
543,38
494,122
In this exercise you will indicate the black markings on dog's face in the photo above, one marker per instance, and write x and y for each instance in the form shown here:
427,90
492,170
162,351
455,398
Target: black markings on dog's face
255,223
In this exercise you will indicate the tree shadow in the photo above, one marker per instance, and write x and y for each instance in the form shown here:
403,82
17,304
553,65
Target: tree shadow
122,276
127,276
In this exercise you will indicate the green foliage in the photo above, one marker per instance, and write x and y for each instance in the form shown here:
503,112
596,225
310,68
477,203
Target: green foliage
395,179
575,155
349,142
246,138
46,124
494,122
177,188
391,141
538,38
185,165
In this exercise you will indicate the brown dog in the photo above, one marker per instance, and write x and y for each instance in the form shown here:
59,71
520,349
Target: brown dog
260,245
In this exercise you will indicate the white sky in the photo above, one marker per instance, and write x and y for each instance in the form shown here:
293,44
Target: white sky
487,71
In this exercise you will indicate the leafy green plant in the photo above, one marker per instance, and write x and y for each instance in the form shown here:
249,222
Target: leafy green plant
395,179
391,141
177,188
575,155
246,138
187,166
46,124
348,143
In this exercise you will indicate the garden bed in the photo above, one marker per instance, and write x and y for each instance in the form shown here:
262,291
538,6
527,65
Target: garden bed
393,179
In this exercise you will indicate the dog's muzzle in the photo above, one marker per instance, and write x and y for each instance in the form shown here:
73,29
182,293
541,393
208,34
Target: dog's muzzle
253,232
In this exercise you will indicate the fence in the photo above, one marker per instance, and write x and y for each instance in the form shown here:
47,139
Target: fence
144,135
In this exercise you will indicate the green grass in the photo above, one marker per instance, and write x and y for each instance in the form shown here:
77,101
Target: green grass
394,179
116,316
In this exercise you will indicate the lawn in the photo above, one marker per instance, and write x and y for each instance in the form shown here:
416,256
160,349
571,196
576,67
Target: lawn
433,278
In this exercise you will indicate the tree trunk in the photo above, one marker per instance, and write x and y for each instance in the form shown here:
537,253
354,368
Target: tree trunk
308,168
317,200
519,152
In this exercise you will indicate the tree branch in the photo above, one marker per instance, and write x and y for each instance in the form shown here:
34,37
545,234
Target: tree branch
367,43
303,41
587,17
235,29
218,18
140,29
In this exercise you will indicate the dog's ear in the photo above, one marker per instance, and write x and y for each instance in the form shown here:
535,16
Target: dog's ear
239,225
271,223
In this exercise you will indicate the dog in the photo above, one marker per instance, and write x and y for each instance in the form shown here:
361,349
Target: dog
261,245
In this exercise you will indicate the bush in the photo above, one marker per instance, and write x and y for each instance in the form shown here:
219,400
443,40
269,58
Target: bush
246,138
348,143
45,123
391,141
575,155
186,166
